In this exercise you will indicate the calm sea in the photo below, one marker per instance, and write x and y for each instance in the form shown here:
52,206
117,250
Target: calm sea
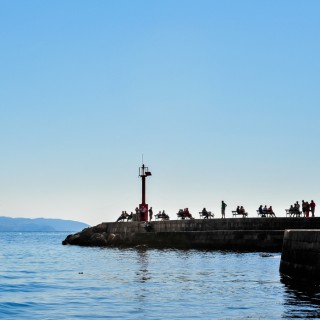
41,279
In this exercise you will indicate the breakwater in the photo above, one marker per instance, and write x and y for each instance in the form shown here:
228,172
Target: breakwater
300,258
243,234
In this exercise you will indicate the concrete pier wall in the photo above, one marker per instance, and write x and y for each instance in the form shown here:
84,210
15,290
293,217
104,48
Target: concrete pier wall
240,240
217,224
300,258
243,234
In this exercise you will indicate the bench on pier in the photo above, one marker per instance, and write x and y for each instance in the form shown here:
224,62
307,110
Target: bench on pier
266,214
125,216
293,213
183,214
206,215
161,216
243,214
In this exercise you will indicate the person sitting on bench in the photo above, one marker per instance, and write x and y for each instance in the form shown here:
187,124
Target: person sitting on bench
122,216
270,212
187,213
261,211
205,212
291,210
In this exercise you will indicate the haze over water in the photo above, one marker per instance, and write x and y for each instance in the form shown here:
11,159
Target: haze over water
41,279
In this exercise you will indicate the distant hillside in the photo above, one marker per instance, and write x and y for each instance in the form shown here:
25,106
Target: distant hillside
39,224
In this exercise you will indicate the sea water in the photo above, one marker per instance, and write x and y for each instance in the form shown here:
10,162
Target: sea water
42,279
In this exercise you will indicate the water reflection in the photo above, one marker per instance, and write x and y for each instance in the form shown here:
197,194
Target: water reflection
300,300
143,263
142,276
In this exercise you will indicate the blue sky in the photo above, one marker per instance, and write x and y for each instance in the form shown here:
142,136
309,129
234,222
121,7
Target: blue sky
221,97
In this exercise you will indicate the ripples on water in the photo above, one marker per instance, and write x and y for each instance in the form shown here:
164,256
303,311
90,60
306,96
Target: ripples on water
41,279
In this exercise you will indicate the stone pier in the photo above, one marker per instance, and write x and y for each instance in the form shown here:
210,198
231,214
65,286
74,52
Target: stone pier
300,258
242,234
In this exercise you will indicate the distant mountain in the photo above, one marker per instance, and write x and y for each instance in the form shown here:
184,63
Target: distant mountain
39,224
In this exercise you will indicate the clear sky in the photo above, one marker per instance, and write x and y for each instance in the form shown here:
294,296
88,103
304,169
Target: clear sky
221,98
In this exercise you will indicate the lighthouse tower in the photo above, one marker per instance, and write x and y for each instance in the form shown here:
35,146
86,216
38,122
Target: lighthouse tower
143,206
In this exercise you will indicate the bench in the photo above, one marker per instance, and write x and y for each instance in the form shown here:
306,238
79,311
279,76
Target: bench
243,214
182,215
206,215
124,217
265,214
293,213
161,216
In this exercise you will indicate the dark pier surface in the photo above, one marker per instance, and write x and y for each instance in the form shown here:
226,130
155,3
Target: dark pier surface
241,234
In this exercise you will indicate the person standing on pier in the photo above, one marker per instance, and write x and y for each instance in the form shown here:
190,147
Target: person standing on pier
307,209
303,205
150,214
312,207
223,209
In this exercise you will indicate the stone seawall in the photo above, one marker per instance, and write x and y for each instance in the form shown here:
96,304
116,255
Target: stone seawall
239,240
244,234
217,224
300,258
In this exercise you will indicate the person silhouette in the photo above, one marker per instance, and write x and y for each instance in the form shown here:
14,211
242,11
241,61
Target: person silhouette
150,213
223,209
312,207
